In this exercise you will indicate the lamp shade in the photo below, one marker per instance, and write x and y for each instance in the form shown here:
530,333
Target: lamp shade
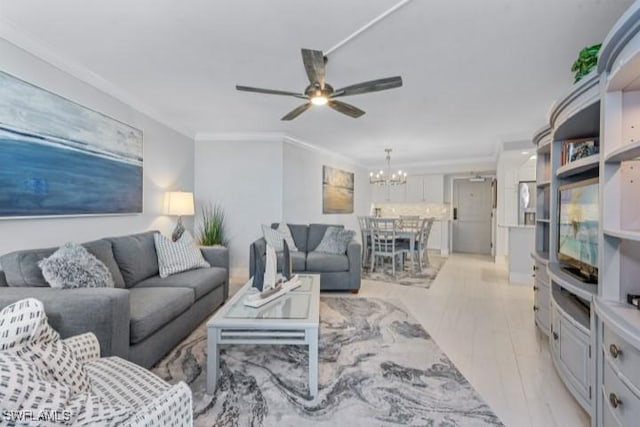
179,203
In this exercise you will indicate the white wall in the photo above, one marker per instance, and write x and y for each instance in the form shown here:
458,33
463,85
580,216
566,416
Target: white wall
168,163
513,166
245,177
302,187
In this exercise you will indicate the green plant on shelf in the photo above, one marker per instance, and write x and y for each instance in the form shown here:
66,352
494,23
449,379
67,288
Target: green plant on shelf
587,60
212,230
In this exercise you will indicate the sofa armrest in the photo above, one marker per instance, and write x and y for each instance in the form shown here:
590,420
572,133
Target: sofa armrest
103,311
84,347
3,279
354,253
257,247
217,256
173,407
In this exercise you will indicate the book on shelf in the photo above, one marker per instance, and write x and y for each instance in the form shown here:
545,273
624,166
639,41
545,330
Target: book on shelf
575,149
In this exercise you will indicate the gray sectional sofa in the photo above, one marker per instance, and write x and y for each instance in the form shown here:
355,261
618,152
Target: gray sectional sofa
143,316
337,272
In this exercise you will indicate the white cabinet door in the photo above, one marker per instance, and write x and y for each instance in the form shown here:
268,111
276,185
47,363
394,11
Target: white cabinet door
574,354
398,193
415,185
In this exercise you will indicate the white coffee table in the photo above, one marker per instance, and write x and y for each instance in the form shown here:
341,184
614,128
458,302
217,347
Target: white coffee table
291,319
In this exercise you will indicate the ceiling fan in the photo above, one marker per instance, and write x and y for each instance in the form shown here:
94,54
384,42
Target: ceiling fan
320,93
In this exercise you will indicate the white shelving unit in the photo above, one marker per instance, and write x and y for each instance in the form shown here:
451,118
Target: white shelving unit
542,285
617,322
594,334
574,116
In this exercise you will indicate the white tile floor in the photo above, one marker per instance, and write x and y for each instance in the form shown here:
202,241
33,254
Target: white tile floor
485,325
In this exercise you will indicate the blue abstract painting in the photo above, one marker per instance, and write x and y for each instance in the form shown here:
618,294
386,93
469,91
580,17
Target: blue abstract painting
60,158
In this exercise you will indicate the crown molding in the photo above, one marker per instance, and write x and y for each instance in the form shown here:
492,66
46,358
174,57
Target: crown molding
314,147
239,136
25,41
271,137
447,162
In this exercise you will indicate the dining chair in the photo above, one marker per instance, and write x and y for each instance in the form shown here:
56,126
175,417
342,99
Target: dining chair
423,240
385,242
410,233
365,231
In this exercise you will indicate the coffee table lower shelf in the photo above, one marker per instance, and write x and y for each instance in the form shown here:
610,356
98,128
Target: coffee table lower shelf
220,336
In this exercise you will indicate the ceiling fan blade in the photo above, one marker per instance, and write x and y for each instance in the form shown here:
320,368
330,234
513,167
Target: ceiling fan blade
314,66
297,111
344,108
370,86
269,91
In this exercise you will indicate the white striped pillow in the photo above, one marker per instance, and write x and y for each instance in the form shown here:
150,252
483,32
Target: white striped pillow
175,257
275,237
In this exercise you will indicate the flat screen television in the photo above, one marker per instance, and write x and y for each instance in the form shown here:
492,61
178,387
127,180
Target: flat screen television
578,229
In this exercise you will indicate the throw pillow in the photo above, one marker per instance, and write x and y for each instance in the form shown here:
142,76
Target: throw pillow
335,241
72,266
275,237
27,335
178,256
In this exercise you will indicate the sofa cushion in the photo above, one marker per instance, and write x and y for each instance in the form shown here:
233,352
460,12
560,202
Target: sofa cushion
298,261
21,267
202,280
136,256
316,233
72,266
335,241
176,257
320,262
152,308
299,233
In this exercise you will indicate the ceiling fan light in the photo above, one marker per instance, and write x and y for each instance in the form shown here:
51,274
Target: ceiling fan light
319,100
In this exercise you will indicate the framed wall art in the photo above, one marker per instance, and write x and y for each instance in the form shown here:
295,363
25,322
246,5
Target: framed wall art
337,191
58,158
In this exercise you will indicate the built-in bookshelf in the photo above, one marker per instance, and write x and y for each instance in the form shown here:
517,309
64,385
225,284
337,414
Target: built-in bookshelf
574,117
618,322
542,290
542,140
594,333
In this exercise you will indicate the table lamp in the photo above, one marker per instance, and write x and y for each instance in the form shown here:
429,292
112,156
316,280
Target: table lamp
179,203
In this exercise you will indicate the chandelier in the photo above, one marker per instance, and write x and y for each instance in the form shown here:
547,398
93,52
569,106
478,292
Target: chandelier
388,178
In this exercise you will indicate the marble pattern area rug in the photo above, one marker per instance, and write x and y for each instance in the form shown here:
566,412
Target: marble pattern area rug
419,279
378,367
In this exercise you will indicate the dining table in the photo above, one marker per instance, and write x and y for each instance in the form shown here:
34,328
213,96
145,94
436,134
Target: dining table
407,231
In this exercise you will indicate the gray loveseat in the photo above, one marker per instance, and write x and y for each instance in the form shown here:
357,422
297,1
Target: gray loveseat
143,317
337,272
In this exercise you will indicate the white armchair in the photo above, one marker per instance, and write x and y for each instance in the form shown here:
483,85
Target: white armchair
124,384
68,382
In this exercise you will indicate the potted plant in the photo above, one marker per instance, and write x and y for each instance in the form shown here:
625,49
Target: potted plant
212,229
587,60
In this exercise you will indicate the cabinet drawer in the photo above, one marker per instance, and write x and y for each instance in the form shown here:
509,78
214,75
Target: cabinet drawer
622,404
541,297
543,319
608,418
624,357
541,272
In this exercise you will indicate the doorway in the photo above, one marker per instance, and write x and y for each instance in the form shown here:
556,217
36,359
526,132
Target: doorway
472,212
